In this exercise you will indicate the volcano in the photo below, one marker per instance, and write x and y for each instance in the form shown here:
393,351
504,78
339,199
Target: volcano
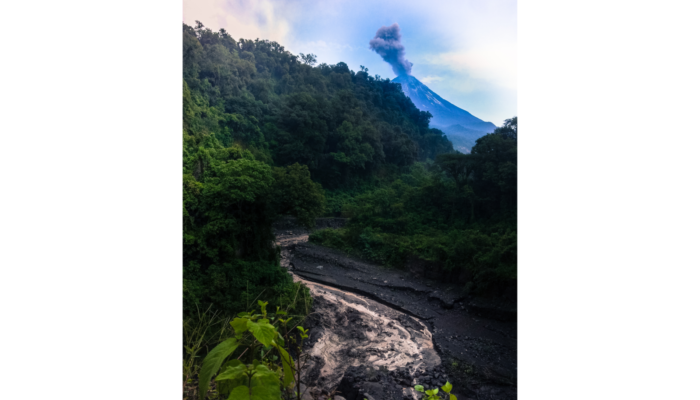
460,127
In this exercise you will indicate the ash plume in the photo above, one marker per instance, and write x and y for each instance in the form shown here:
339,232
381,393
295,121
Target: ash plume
387,43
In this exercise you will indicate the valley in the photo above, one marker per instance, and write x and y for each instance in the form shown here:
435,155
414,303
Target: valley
376,332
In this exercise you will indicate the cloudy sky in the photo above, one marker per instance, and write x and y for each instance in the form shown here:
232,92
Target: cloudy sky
463,50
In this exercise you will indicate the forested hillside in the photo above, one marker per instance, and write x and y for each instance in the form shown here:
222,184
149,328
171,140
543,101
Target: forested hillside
459,214
265,132
343,125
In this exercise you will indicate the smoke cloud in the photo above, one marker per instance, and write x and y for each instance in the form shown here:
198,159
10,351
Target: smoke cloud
387,43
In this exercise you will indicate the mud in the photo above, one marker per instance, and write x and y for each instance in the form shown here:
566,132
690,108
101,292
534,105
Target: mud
375,332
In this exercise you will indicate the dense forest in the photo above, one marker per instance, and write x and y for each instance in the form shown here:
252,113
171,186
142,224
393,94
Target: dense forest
459,213
263,130
268,133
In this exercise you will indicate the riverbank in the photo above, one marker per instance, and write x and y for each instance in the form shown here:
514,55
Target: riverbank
376,332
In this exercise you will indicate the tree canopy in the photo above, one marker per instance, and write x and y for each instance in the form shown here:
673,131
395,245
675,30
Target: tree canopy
343,125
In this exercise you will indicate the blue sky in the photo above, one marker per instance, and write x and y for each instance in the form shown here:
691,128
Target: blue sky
463,50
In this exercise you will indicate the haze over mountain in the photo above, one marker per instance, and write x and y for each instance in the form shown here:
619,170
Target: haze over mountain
461,127
444,113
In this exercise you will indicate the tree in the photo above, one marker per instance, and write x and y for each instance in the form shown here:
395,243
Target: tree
458,166
308,59
296,194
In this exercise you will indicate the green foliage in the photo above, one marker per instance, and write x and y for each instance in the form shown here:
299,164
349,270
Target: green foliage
432,394
254,382
263,377
458,213
213,362
343,125
296,194
200,331
262,130
230,199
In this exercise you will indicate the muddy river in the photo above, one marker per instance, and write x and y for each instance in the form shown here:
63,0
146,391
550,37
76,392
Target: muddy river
376,332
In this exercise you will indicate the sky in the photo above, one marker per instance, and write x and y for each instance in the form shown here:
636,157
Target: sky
464,50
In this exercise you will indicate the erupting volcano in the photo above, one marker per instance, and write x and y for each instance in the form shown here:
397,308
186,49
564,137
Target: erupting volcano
460,126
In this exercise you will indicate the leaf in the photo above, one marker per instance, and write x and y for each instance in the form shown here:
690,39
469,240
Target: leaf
263,306
447,387
239,393
240,324
212,363
224,387
419,388
263,386
232,372
287,364
303,332
264,332
453,397
280,339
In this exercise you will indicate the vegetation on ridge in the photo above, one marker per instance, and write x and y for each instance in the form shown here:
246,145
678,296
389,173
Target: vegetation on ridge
458,213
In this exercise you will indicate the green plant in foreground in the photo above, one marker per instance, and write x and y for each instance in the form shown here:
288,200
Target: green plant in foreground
432,394
199,333
258,379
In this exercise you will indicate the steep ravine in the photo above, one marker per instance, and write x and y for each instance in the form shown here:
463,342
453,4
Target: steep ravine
376,332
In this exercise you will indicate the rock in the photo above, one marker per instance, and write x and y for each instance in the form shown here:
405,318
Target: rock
306,395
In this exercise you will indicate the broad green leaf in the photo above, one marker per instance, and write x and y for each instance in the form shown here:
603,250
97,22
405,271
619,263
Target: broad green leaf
287,364
232,372
239,393
212,363
264,332
224,387
264,385
453,397
419,388
240,324
447,387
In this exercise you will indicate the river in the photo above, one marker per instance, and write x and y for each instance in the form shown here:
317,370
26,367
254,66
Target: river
376,332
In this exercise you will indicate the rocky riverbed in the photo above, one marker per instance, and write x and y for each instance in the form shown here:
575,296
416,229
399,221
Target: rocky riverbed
375,332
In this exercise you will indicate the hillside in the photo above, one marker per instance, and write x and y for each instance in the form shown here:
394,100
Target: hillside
344,125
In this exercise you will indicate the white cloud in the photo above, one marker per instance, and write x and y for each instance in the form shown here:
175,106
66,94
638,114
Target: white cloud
241,19
495,63
322,44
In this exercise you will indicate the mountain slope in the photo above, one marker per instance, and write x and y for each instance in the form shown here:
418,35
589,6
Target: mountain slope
445,114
